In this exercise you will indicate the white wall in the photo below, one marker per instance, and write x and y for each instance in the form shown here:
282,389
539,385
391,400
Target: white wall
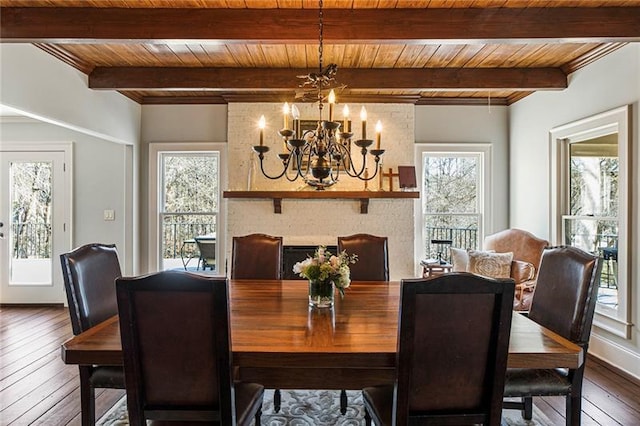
610,82
474,124
99,122
99,183
43,87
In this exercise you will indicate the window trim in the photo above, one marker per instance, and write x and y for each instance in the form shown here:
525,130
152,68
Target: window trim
483,151
155,151
615,321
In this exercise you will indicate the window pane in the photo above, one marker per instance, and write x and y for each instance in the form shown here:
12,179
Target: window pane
176,229
599,237
31,207
594,185
190,183
450,184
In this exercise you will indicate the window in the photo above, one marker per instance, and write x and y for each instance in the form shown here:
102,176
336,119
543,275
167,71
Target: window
188,203
454,190
589,204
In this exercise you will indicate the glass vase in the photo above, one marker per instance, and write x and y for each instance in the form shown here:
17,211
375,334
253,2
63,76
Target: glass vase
321,294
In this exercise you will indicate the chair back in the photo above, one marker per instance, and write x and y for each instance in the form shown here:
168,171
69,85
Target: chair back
453,343
524,245
90,273
565,299
207,249
256,256
175,340
373,256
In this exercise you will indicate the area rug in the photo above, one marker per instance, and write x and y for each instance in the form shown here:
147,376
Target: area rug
317,408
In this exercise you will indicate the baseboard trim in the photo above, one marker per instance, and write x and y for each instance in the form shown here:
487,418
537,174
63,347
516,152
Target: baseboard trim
615,356
620,372
31,305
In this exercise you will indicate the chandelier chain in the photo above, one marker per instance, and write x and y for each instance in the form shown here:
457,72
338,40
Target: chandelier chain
321,34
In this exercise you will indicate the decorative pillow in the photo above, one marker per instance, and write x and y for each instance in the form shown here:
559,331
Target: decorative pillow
522,271
459,259
494,265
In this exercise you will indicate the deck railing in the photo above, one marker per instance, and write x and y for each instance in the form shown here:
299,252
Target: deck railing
459,237
175,233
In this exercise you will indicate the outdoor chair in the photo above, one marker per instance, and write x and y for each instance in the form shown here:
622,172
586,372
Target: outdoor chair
207,249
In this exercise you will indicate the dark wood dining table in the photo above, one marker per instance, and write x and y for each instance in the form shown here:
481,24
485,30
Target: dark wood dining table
277,340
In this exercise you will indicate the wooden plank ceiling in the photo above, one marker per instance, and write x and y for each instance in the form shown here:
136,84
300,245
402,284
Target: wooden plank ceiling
421,51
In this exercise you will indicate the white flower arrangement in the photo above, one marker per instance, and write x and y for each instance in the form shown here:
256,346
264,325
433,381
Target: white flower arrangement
324,266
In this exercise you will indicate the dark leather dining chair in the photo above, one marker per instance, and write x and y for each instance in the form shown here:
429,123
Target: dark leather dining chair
256,257
453,342
176,346
89,274
372,265
373,256
564,302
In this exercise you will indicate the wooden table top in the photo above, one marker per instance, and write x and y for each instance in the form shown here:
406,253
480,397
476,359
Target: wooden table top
272,326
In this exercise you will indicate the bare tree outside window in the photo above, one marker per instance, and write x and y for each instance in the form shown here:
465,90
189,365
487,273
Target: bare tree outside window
450,200
189,202
31,209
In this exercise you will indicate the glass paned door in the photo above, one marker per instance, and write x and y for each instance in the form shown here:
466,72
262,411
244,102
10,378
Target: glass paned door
450,201
189,205
32,217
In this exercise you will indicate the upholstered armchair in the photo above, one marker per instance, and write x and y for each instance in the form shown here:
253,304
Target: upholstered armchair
527,253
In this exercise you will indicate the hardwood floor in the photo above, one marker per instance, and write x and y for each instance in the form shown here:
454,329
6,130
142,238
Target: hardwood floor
36,387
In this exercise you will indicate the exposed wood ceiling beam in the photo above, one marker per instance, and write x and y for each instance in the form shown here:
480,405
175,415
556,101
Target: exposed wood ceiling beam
269,79
90,25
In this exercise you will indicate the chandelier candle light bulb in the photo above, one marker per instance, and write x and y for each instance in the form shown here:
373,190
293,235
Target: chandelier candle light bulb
285,113
378,134
363,117
295,113
261,124
332,101
345,115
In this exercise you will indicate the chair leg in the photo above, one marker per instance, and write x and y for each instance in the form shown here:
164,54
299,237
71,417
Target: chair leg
527,411
87,398
343,402
574,410
258,416
277,399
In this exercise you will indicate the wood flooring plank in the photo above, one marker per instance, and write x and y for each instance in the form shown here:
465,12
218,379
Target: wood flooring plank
17,405
34,333
615,408
63,411
36,411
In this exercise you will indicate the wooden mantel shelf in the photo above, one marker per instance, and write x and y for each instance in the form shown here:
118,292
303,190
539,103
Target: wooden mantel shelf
363,196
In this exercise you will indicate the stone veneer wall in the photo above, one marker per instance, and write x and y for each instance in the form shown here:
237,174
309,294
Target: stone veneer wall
321,221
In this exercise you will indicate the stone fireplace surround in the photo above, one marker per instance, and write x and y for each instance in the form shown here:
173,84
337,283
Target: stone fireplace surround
320,222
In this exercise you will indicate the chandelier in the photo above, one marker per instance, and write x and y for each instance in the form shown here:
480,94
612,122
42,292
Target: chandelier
320,155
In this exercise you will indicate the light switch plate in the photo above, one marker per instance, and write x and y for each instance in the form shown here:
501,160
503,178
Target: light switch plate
109,215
